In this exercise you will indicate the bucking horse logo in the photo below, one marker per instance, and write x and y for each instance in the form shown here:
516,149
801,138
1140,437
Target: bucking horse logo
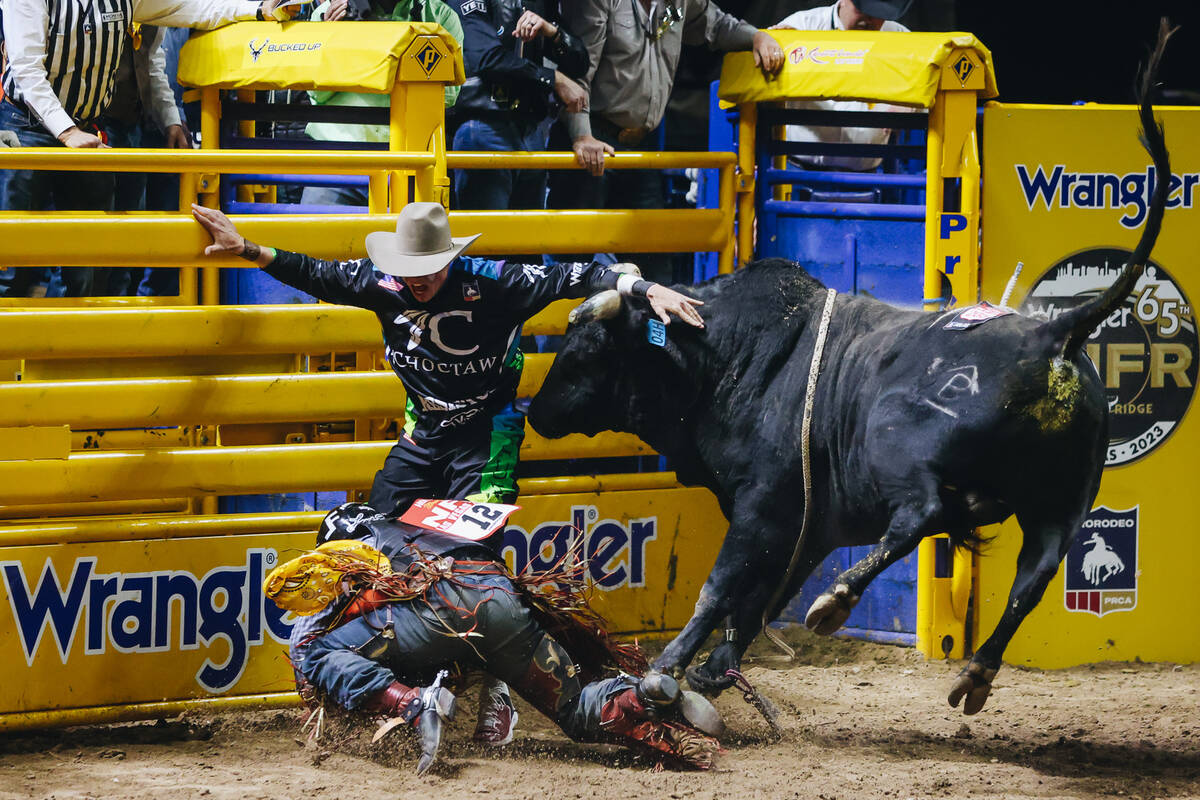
255,52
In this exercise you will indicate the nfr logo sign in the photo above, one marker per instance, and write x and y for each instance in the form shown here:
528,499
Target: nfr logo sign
428,57
1101,567
615,552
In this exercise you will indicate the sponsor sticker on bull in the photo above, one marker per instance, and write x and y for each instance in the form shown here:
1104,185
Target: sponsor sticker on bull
975,315
1101,567
615,551
1144,352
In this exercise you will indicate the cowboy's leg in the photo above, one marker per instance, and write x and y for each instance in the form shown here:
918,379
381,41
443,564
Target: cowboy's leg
408,473
483,469
622,708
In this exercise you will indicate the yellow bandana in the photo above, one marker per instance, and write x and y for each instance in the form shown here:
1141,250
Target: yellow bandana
307,584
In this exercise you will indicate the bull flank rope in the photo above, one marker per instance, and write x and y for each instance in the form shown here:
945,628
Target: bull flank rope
810,393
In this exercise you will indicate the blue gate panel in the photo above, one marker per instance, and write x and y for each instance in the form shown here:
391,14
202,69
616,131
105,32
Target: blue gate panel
879,258
887,611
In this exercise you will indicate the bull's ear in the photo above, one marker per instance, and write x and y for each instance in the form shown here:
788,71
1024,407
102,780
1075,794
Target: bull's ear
603,305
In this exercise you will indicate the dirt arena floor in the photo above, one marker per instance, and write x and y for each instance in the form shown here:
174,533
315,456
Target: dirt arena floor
857,721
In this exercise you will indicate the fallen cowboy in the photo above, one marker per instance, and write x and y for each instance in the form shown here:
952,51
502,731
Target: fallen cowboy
392,615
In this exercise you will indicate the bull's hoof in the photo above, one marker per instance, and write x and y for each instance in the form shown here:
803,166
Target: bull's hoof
831,610
710,687
975,684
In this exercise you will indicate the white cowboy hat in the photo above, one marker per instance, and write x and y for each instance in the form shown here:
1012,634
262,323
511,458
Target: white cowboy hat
421,245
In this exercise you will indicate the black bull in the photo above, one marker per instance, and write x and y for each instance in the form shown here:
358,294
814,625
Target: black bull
916,430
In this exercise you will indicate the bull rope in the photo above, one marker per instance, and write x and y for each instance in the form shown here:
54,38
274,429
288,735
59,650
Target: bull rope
810,393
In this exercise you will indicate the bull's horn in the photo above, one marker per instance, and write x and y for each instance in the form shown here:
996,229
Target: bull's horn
603,305
626,268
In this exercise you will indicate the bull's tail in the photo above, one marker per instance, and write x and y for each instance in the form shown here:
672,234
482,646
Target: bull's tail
1070,330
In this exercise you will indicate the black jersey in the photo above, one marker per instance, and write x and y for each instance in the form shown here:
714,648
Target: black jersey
459,354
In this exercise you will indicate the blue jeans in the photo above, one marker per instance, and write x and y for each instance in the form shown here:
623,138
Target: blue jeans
429,635
39,190
500,189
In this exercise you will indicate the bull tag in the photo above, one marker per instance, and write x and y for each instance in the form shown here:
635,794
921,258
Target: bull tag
656,333
976,315
474,521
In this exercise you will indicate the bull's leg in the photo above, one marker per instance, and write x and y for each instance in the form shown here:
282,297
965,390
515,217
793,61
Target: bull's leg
910,523
745,621
1043,548
733,570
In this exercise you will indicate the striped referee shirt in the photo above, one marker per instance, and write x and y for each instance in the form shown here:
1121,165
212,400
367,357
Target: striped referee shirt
63,54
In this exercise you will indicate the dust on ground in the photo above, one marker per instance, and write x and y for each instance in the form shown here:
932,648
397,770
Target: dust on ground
857,720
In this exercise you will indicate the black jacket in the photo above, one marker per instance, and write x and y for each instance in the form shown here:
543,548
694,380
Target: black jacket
459,354
505,74
397,540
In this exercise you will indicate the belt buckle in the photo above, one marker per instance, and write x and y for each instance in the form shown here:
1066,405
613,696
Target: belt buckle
631,136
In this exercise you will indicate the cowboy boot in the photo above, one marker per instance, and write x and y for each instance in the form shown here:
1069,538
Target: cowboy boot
437,707
425,708
625,718
663,694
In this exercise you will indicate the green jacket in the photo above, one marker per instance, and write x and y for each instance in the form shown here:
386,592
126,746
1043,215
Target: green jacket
431,11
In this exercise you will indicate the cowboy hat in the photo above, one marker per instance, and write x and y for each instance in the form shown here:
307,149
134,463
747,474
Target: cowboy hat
421,245
883,9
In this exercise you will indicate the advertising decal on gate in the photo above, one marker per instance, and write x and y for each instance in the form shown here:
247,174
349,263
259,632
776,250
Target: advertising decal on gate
117,622
1066,191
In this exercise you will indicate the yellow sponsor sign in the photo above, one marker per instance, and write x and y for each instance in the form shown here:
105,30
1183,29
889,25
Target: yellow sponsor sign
1066,190
907,68
363,57
105,623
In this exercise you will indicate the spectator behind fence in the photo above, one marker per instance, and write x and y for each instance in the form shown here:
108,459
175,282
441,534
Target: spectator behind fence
63,58
633,49
844,15
141,113
506,101
378,10
162,188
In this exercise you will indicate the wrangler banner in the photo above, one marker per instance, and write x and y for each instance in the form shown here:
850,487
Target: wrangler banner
1065,192
91,624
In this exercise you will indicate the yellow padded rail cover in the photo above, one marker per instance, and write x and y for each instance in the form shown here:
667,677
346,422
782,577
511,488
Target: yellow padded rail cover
341,57
905,68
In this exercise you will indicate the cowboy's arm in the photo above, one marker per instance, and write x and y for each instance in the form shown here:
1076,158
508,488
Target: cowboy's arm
352,283
203,14
532,287
349,678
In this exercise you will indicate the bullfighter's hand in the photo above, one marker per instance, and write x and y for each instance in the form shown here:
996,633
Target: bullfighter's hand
590,153
768,55
224,233
665,301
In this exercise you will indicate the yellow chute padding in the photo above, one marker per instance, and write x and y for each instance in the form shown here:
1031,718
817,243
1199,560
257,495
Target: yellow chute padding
307,584
363,57
905,68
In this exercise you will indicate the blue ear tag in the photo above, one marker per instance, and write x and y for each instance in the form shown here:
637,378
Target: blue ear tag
656,333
